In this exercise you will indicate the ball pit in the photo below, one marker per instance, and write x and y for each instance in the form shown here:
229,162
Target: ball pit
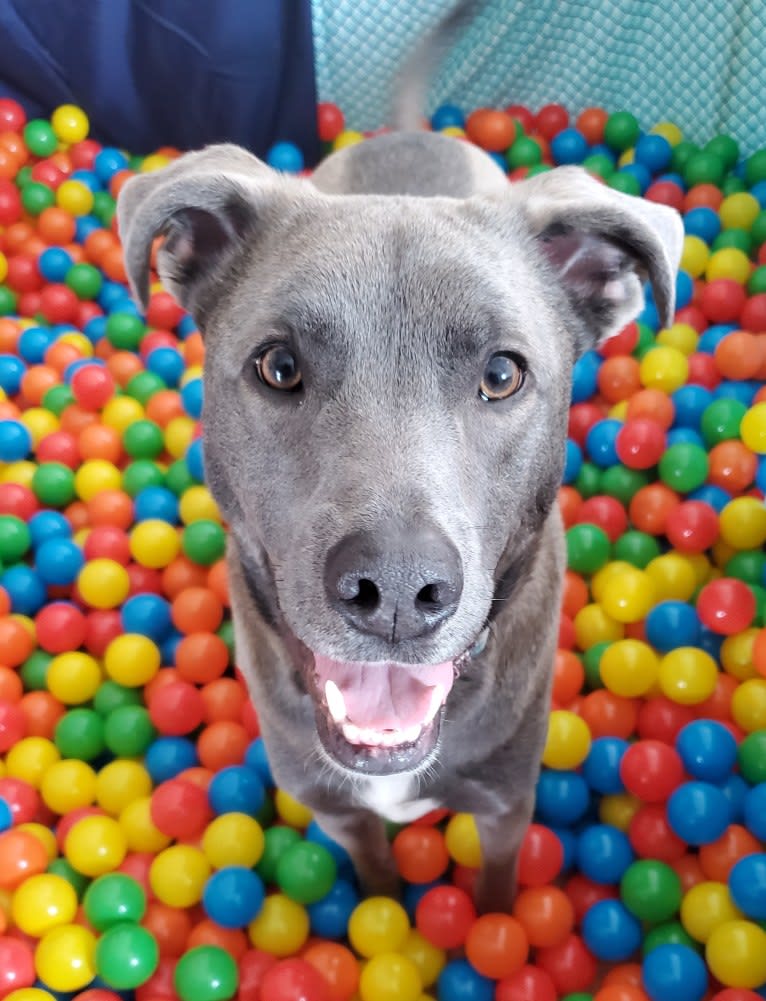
144,851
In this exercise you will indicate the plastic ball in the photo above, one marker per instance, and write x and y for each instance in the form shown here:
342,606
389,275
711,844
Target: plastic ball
698,812
114,899
206,973
233,896
126,956
497,945
282,926
65,958
708,750
610,931
671,971
378,925
43,902
747,883
95,845
459,981
568,741
736,954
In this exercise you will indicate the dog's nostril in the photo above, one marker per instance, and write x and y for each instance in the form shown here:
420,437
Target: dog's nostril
430,595
367,597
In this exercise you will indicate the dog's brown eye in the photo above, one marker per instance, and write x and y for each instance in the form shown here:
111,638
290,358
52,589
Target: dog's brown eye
278,368
503,376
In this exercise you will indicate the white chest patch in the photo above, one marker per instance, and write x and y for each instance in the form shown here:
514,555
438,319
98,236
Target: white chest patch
391,796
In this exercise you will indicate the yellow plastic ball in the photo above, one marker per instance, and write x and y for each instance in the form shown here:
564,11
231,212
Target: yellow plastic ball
29,994
694,256
618,810
722,552
681,336
70,123
453,130
154,543
748,705
428,958
140,832
729,262
669,131
348,137
687,675
178,875
292,812
378,925
39,422
74,677
43,902
30,759
79,341
179,434
121,782
619,411
462,840
568,740
197,504
630,595
233,839
281,928
736,954
390,976
663,368
103,583
20,472
737,654
68,785
752,428
627,157
74,197
120,412
629,668
592,625
601,581
132,660
94,476
95,845
65,958
155,161
701,566
743,523
3,267
44,835
706,906
739,211
673,576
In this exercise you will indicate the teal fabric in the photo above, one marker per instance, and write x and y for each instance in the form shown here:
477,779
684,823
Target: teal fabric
698,63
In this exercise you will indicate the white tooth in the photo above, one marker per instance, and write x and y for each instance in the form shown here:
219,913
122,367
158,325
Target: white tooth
411,734
352,733
437,697
335,701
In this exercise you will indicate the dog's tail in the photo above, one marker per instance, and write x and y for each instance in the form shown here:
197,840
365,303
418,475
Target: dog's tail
415,77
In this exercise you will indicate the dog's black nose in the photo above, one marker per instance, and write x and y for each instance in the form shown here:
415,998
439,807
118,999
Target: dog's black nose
397,583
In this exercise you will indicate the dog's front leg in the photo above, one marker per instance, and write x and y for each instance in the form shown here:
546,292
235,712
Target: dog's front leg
500,836
363,835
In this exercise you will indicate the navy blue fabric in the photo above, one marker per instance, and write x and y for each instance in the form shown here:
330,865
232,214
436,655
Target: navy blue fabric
151,73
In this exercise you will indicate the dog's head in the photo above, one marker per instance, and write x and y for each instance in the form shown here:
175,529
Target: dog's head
386,392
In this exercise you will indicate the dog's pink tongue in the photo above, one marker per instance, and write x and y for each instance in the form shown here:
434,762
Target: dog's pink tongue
384,696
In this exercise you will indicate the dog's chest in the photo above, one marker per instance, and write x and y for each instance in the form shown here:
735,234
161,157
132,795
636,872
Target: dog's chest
391,796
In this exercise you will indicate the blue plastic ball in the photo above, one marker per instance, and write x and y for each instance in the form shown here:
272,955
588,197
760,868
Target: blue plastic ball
671,972
195,460
458,981
329,916
108,162
747,885
573,461
569,146
755,811
88,178
585,376
684,289
25,588
167,363
84,226
169,645
54,263
698,812
600,442
604,853
708,750
703,222
237,789
610,931
257,759
653,151
735,789
671,624
601,768
689,403
285,156
641,173
192,397
32,344
95,329
447,116
760,475
48,525
233,896
6,815
562,797
156,502
167,757
711,494
711,337
147,614
15,441
58,561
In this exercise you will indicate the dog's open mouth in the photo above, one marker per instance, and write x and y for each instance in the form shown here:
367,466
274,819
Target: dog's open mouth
380,717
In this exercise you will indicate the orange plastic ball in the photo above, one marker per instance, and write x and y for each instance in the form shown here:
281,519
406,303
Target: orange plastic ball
650,507
222,744
609,715
170,926
201,657
718,857
21,855
546,914
337,965
493,130
739,355
420,853
497,945
196,609
652,404
732,466
16,642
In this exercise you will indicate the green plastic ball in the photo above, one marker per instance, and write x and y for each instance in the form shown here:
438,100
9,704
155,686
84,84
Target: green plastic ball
732,185
704,168
36,197
84,280
756,283
204,542
34,671
113,899
57,399
740,239
749,566
80,734
143,439
78,882
128,731
599,164
637,548
125,331
53,484
588,548
624,182
525,152
725,148
139,475
651,890
306,872
621,131
752,757
755,168
126,956
226,633
8,301
721,420
39,137
669,933
758,231
276,841
178,478
144,385
588,480
206,973
591,662
112,696
645,340
622,483
103,208
15,539
684,467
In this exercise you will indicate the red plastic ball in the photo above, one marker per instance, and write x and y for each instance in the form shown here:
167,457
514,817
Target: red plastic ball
421,854
606,512
726,606
180,809
541,856
17,967
666,193
93,386
661,719
444,916
621,343
294,980
692,527
176,708
102,626
570,965
330,121
651,770
58,304
528,984
60,626
703,370
551,119
107,542
163,311
582,417
13,118
651,836
754,314
13,725
723,300
10,203
640,443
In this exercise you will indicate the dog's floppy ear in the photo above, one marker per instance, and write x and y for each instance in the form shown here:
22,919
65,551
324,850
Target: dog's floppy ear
603,245
205,205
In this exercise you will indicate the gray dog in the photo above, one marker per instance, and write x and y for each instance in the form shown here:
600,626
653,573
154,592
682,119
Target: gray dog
389,356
